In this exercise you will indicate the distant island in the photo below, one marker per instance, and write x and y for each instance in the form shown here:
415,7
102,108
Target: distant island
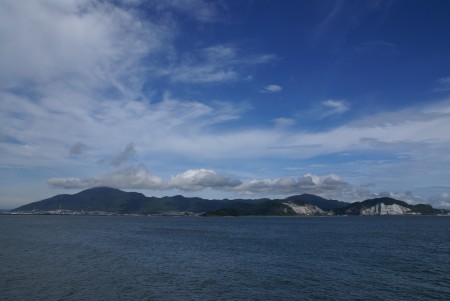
110,201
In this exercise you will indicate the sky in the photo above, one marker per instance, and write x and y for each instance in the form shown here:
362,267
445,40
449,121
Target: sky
347,100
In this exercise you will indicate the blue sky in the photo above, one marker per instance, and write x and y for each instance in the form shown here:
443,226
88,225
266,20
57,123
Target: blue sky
344,99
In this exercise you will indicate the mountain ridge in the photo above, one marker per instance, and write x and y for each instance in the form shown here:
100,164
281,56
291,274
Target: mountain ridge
115,201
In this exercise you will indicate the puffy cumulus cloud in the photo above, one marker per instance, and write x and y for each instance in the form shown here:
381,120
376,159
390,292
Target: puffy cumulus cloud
198,179
326,186
272,88
127,153
329,186
125,178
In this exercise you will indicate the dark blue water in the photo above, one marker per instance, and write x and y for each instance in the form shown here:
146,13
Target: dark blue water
193,258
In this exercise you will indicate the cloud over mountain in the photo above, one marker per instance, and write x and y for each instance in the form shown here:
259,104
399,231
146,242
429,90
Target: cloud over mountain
198,179
327,185
125,178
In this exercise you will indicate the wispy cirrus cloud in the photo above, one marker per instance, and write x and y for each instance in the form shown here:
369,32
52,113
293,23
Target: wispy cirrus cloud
213,64
86,44
185,130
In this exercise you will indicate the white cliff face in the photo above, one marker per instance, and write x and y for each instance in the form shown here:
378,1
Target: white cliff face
305,210
382,209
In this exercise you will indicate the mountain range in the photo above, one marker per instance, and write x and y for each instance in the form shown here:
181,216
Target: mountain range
113,201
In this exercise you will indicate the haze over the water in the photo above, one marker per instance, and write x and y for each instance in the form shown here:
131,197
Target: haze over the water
343,99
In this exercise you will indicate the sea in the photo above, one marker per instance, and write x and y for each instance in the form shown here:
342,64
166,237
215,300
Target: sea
224,258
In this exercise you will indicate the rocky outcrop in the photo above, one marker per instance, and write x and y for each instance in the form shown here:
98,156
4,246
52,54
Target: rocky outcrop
385,206
306,209
383,209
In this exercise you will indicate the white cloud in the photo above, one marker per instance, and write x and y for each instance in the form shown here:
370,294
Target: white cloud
283,122
326,186
45,132
126,178
329,186
273,88
184,129
203,73
213,64
198,179
331,107
85,43
84,48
